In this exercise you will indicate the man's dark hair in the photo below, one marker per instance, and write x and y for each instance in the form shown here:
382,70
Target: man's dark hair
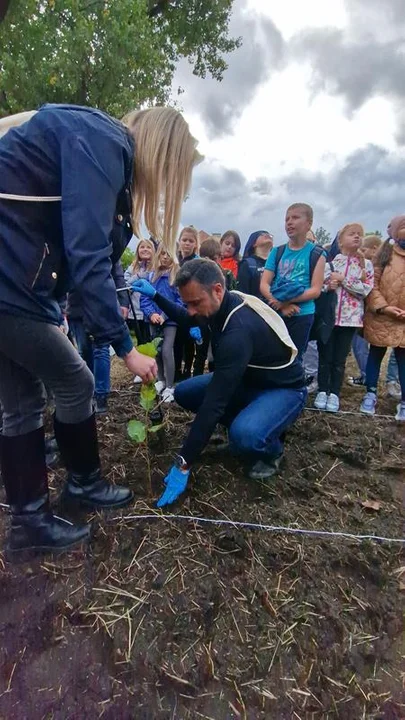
204,271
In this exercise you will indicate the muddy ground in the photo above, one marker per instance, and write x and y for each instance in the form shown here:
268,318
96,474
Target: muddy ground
175,619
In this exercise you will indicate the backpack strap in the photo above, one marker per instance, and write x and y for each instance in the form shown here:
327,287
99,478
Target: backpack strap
279,254
316,252
251,263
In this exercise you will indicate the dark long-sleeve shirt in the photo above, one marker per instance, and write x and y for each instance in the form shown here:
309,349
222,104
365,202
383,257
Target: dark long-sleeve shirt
249,275
246,340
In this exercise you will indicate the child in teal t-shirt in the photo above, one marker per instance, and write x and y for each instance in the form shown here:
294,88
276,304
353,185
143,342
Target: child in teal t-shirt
293,267
287,286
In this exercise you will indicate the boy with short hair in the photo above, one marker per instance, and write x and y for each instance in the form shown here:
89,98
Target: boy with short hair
211,249
294,275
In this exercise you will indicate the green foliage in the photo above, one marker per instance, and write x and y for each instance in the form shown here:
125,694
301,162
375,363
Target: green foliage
155,428
127,258
151,348
148,396
323,237
136,431
112,54
376,232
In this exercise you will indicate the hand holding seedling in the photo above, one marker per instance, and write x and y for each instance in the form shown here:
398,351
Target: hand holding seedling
156,319
141,365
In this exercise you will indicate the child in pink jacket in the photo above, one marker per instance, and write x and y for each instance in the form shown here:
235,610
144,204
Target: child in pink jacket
352,279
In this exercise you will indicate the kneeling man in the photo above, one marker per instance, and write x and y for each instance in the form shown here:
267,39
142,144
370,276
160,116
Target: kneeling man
257,388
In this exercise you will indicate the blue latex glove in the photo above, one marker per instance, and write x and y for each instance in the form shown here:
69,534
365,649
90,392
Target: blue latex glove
195,333
144,287
176,483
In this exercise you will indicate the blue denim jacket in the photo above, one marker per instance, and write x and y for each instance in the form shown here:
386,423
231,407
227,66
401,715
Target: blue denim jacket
48,248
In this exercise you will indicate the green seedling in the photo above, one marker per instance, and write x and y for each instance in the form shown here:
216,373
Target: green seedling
137,430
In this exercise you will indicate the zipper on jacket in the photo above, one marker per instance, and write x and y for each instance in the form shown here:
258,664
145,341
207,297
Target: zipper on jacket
341,293
44,255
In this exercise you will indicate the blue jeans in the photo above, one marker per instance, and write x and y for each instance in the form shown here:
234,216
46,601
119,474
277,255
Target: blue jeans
360,349
255,418
97,358
392,369
375,359
299,328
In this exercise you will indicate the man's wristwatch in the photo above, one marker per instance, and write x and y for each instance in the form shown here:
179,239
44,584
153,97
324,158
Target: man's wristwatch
180,463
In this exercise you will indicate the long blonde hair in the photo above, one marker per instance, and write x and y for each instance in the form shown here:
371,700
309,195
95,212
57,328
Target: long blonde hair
159,271
165,154
137,262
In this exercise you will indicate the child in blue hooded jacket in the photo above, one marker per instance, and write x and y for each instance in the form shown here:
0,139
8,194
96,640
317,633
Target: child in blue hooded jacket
253,261
162,278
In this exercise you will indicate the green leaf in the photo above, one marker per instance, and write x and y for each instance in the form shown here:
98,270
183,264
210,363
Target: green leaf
136,431
155,428
148,349
148,395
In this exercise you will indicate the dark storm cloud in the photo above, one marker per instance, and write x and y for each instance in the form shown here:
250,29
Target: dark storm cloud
222,104
365,60
368,187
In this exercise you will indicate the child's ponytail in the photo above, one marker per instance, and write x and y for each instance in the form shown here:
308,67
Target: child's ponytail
384,255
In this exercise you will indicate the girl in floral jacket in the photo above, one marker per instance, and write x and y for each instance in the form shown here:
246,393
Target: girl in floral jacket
352,278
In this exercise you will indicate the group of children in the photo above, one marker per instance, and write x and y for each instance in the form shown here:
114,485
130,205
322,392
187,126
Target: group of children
349,296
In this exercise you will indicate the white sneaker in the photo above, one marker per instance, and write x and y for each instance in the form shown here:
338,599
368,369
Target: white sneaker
160,386
168,395
313,386
321,400
333,403
137,379
368,404
394,389
400,416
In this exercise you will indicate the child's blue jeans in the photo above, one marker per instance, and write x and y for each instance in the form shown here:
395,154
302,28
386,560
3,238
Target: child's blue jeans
375,358
97,358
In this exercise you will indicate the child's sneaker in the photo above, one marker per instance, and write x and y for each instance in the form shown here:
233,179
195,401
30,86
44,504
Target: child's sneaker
369,402
168,395
356,381
394,389
313,386
321,400
400,416
333,403
160,386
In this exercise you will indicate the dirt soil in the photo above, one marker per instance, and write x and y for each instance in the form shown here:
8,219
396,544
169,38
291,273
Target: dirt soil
171,619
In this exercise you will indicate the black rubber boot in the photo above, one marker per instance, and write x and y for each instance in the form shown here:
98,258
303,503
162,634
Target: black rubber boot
33,526
85,485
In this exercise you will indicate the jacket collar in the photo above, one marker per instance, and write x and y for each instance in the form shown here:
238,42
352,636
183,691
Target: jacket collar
398,250
229,301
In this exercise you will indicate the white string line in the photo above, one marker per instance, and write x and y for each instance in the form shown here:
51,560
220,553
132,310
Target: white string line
260,526
254,526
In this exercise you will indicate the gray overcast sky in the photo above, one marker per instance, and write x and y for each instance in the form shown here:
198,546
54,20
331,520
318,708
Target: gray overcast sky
311,109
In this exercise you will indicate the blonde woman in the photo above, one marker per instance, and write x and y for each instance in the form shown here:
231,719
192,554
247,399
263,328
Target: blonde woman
163,281
70,178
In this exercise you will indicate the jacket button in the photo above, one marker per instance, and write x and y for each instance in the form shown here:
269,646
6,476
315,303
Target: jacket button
120,218
54,275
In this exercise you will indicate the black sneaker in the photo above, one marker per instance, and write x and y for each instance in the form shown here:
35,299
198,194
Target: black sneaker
100,403
356,381
265,470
